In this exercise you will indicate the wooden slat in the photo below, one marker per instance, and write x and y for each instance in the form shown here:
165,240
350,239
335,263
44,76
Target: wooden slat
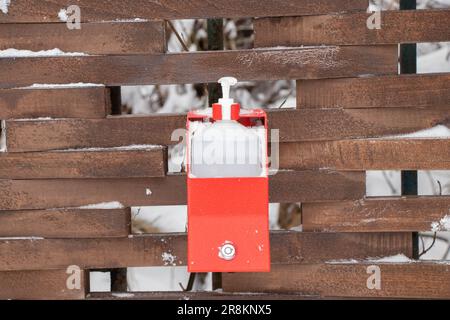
294,125
398,280
148,250
424,90
40,285
81,133
196,295
288,186
201,67
92,10
297,186
86,102
376,154
91,38
377,215
332,124
105,163
66,223
406,26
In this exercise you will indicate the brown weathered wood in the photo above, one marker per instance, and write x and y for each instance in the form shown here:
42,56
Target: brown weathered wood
201,67
81,133
424,90
398,280
332,124
92,10
92,38
294,125
105,163
66,223
86,102
376,154
405,26
196,295
297,186
377,214
148,250
288,186
41,285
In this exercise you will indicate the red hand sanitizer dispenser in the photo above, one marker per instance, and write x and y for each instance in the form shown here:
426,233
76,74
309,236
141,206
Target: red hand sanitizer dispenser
228,188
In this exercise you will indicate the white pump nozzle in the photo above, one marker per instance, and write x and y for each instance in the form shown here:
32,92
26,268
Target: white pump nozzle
226,102
226,83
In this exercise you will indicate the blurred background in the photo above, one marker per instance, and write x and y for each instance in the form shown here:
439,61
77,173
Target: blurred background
191,35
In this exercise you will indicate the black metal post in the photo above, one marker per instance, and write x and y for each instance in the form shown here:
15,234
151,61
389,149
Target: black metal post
116,100
215,42
119,275
408,64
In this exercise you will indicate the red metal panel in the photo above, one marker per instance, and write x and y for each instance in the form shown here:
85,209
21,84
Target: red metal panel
225,211
231,210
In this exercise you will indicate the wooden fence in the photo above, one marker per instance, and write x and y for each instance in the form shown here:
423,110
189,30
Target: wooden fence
350,102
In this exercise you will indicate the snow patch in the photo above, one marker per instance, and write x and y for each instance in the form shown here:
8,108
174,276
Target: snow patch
442,225
398,258
168,258
131,20
104,205
342,261
21,238
15,53
3,136
35,119
434,62
62,15
99,281
67,85
122,148
4,4
439,131
297,228
123,295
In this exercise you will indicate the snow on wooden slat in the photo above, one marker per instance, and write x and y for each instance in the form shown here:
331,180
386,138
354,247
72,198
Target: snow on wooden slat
348,279
375,154
148,161
76,102
285,186
294,125
410,90
93,10
92,38
425,213
201,67
152,250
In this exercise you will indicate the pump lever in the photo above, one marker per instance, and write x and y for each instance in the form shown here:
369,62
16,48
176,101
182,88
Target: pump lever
226,83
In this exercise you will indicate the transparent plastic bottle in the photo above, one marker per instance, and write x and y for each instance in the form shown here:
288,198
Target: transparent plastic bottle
226,148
